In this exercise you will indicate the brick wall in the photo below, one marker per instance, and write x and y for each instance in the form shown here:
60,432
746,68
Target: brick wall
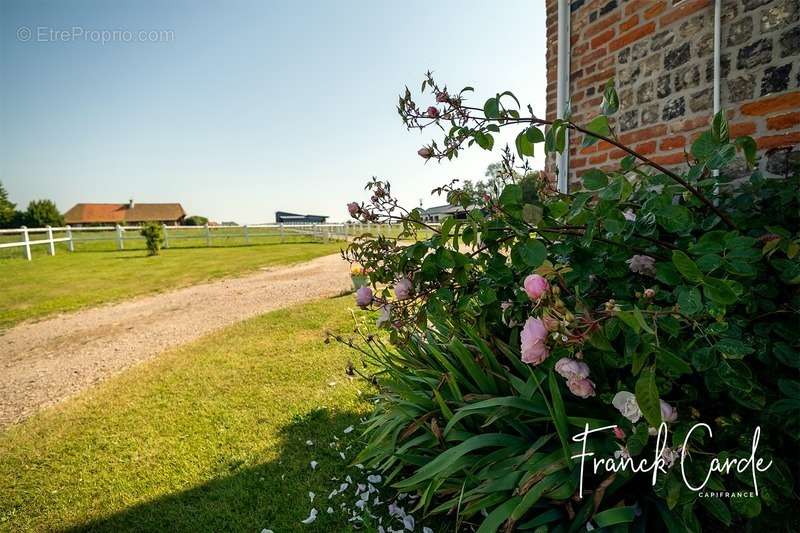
661,56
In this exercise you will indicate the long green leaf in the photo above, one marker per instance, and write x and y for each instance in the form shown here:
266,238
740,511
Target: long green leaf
451,455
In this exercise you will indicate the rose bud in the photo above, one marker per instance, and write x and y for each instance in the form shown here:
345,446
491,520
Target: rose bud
649,293
432,112
425,152
442,97
535,286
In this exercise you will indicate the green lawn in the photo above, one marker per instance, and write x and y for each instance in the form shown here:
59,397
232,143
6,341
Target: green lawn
68,281
208,437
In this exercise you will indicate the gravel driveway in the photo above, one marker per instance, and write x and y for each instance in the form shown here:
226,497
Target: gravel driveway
44,362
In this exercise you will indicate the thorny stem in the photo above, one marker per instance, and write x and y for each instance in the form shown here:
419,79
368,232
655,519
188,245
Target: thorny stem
646,160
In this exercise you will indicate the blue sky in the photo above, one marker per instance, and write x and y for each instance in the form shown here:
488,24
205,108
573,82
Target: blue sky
249,107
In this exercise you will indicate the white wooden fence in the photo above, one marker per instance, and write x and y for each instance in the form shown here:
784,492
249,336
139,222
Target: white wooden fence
29,237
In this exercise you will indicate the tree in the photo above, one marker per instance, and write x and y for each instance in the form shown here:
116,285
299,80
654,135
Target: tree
195,220
7,209
42,213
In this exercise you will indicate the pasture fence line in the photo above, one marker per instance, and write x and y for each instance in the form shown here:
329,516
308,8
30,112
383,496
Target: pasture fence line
118,234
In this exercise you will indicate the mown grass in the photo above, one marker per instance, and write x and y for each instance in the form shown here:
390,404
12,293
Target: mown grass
208,437
69,281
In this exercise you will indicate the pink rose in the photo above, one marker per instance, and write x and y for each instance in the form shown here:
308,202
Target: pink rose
353,209
532,338
668,413
403,288
642,264
649,293
425,152
572,369
535,286
363,296
432,112
582,388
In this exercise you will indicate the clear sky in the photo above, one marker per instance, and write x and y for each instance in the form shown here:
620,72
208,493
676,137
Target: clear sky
247,107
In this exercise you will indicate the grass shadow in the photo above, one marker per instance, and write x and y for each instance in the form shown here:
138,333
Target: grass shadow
272,495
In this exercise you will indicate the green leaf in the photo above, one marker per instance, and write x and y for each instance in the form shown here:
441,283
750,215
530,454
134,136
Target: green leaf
451,455
704,147
533,253
733,348
511,195
560,417
719,128
598,125
686,266
749,148
671,363
717,509
532,214
594,179
610,103
790,387
674,218
491,108
747,507
616,515
499,515
484,140
647,397
718,291
524,146
534,135
690,300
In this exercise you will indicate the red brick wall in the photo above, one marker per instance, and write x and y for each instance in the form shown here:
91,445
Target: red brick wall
660,54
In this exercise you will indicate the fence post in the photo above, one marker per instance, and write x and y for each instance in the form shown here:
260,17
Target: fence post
27,241
327,233
70,244
166,236
51,245
281,231
246,235
208,235
120,244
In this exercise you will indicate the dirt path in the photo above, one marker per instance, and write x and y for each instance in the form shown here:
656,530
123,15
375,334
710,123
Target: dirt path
42,363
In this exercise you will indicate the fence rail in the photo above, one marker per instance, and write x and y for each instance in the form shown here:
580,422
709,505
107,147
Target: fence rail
249,234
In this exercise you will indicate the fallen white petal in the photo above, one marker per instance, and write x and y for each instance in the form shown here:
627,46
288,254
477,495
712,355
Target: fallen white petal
408,522
313,465
348,429
342,456
374,479
309,443
311,496
427,530
330,511
359,465
348,479
312,515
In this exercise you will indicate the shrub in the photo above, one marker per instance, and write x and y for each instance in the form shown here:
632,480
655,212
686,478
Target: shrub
153,234
648,297
195,220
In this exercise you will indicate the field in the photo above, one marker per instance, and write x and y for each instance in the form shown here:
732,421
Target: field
69,281
208,437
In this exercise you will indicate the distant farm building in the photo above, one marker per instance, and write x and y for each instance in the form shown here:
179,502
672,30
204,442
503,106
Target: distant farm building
129,213
440,212
282,217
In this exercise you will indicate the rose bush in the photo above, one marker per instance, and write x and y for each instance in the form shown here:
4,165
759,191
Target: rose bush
645,297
